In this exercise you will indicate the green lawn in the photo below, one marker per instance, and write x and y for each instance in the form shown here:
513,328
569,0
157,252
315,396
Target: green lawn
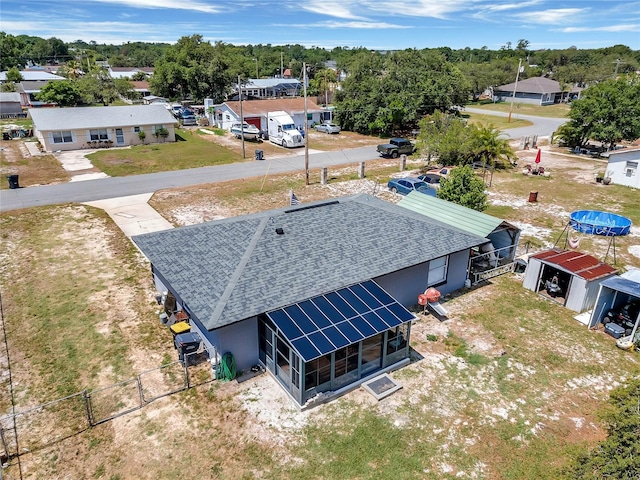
500,123
554,111
189,151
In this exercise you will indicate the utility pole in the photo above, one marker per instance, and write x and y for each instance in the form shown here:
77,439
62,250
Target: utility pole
306,125
281,64
326,89
515,86
617,62
256,60
241,117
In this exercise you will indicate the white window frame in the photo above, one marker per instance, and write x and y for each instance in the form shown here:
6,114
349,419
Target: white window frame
136,129
98,134
62,136
631,168
438,269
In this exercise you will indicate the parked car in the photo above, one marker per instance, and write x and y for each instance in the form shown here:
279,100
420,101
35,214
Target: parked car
396,147
404,186
327,127
432,179
444,171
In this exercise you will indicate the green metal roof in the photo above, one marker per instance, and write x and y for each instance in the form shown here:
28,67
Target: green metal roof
466,219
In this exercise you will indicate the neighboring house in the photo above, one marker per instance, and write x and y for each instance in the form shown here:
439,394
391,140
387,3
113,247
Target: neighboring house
537,91
577,275
31,84
317,293
142,87
128,72
499,249
10,104
623,166
150,99
255,112
75,128
271,87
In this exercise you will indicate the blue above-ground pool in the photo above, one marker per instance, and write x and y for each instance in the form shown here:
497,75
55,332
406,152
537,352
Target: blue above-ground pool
600,223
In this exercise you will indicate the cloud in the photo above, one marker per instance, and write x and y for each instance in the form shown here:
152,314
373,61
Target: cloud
331,8
354,25
166,4
422,8
556,16
607,28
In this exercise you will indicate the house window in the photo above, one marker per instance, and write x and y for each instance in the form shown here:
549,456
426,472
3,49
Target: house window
154,128
62,137
137,129
631,168
437,270
397,338
99,134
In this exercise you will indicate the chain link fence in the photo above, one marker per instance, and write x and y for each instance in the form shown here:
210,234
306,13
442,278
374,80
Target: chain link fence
62,418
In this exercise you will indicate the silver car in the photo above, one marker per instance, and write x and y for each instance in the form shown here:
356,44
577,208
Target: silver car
327,127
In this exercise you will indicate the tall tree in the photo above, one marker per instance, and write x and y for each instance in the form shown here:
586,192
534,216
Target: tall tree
64,93
11,52
608,112
489,148
464,187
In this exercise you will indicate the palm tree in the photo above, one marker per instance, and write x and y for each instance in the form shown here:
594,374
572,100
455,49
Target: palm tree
487,147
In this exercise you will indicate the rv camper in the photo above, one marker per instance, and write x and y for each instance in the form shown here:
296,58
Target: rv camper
282,130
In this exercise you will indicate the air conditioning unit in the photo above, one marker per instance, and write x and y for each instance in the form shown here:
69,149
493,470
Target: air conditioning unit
630,172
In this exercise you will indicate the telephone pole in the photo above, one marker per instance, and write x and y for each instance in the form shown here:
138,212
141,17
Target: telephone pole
306,125
515,86
241,117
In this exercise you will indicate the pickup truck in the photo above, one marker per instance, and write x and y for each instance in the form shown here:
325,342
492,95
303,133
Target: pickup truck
396,147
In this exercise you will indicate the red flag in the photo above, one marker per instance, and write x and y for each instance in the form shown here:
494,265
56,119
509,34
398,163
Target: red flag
538,156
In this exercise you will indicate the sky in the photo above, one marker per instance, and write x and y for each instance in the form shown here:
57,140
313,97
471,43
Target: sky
373,24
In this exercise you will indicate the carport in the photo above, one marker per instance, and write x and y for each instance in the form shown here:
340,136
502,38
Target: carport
615,292
577,276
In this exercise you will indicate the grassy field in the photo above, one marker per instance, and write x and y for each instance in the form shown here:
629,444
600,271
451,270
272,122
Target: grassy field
505,389
189,151
499,123
554,111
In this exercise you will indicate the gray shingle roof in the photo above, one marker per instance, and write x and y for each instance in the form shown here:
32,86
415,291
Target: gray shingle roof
46,119
533,85
232,269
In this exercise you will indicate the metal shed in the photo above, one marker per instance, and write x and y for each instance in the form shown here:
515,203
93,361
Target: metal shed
577,275
614,293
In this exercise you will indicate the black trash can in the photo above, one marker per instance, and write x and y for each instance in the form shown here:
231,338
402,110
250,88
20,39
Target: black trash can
13,181
259,155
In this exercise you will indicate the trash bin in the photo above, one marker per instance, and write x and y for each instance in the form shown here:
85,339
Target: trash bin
259,155
13,181
533,197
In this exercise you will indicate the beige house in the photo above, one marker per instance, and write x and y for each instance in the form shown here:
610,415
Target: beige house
99,127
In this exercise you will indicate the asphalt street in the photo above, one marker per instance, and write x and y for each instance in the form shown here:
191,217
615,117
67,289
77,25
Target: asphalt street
112,187
542,126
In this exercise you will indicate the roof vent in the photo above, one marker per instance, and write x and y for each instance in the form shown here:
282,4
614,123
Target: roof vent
280,231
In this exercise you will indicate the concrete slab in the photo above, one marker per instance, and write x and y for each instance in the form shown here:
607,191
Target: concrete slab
133,214
88,176
74,160
32,148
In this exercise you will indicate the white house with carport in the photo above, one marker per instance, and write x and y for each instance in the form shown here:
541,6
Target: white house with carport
254,112
498,252
614,293
623,166
82,127
576,275
317,293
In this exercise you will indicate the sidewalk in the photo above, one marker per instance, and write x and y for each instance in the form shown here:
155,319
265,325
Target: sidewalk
133,214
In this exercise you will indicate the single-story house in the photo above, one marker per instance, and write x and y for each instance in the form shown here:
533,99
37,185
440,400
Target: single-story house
614,293
317,293
129,72
29,91
499,249
33,76
142,87
149,99
536,90
10,104
623,166
254,112
271,87
569,277
81,127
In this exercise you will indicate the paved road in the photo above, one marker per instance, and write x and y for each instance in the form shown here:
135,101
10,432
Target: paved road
542,126
100,189
112,187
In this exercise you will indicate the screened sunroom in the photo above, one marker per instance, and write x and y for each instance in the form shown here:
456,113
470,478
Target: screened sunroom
331,341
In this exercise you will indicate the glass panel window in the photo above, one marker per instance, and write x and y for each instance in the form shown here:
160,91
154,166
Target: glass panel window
100,134
136,129
62,137
438,270
397,338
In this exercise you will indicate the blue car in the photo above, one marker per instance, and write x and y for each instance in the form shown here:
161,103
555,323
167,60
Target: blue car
404,186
